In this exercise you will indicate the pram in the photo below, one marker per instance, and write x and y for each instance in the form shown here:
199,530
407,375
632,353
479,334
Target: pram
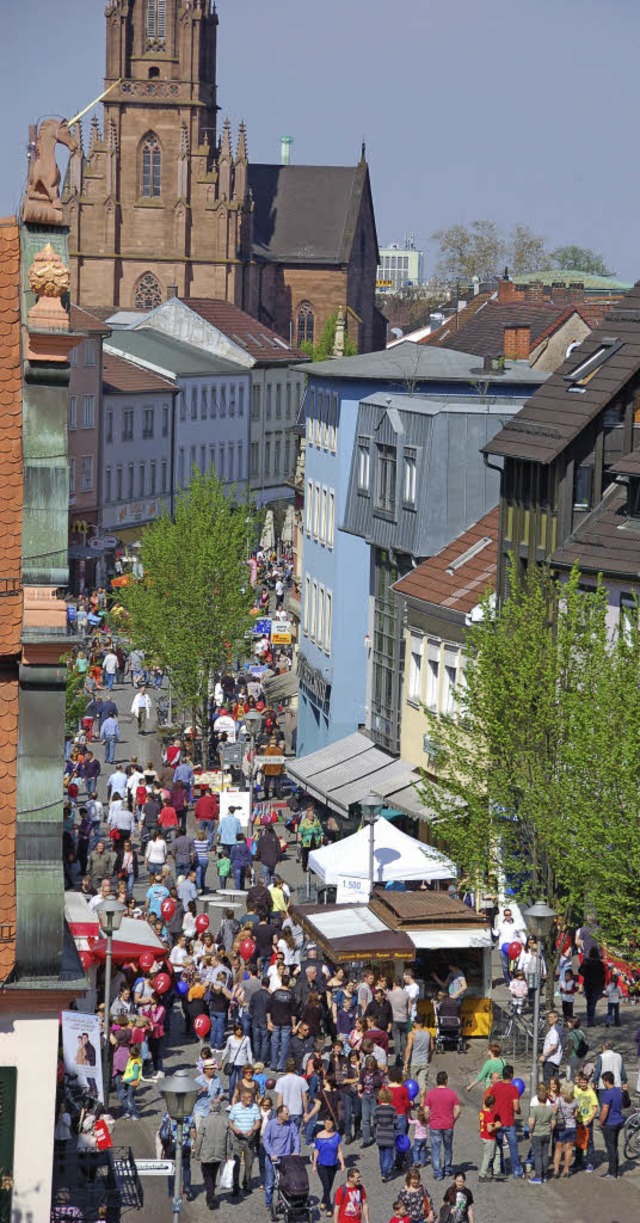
448,1032
291,1190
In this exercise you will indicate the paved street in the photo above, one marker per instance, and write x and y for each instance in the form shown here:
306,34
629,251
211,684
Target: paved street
583,1198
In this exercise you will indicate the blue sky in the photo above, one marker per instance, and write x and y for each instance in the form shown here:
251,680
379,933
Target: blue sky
521,112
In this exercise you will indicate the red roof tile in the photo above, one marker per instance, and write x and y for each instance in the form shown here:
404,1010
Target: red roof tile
264,345
84,320
450,581
120,376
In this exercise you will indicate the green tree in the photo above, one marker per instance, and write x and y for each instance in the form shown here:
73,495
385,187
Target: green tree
527,251
324,348
75,698
190,611
471,250
581,259
542,762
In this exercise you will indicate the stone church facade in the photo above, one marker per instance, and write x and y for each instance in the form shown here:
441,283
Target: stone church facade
164,204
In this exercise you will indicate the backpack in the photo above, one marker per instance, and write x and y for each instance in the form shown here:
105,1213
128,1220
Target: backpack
582,1047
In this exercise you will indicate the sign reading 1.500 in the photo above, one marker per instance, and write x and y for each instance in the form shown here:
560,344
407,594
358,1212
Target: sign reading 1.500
350,889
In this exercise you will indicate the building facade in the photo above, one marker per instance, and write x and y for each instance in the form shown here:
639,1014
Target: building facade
347,570
399,267
137,447
84,424
162,204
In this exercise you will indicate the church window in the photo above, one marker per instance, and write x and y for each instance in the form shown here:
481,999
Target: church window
305,323
156,19
148,294
151,167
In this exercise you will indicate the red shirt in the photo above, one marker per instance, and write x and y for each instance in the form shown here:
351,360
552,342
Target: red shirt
173,754
441,1102
505,1095
168,818
401,1101
349,1199
378,1037
487,1115
207,807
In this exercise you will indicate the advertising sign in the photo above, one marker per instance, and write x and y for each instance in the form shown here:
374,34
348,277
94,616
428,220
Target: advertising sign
351,891
82,1050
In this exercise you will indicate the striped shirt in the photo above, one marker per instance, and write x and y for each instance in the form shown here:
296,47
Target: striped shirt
243,1118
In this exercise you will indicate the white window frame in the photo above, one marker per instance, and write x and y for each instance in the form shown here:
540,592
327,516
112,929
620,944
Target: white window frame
414,679
364,464
316,510
331,519
323,516
409,470
328,619
309,508
320,617
305,609
314,609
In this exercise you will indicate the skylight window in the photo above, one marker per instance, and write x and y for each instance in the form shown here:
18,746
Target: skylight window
583,373
479,546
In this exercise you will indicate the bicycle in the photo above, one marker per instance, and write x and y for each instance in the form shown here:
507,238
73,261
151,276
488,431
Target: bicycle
631,1135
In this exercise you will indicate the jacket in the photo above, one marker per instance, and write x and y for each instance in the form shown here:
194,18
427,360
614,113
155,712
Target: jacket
211,1144
268,851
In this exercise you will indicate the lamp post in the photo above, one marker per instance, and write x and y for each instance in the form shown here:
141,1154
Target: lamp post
110,914
539,919
253,723
370,810
180,1093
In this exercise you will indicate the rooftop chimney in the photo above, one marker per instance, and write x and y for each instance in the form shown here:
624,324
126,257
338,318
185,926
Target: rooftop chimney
285,150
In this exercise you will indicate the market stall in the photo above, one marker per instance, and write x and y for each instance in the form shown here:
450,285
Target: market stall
132,938
396,858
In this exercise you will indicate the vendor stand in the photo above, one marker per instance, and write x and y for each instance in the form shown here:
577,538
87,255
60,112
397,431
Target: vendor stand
133,937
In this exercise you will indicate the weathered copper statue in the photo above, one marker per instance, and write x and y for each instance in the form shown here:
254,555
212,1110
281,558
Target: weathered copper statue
42,204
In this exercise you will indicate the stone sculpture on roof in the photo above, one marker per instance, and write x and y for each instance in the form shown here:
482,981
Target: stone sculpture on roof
42,204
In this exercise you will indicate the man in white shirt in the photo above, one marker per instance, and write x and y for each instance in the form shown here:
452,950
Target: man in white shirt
413,990
117,783
507,930
109,668
141,708
293,1092
551,1055
279,589
224,722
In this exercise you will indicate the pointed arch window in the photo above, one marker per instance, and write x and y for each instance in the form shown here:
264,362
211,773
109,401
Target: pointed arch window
148,292
157,19
151,167
305,323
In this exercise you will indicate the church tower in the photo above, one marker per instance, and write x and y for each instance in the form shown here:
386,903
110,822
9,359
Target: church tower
158,206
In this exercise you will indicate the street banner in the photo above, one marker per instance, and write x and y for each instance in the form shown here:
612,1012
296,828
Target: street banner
240,800
82,1050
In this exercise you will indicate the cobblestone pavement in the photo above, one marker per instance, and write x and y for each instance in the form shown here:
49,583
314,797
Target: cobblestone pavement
584,1198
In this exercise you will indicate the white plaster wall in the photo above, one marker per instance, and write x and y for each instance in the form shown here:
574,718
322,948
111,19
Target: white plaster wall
30,1043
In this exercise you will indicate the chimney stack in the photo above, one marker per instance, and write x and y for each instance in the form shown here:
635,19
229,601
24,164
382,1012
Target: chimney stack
285,150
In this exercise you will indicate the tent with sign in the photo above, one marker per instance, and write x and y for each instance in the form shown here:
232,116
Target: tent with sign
396,857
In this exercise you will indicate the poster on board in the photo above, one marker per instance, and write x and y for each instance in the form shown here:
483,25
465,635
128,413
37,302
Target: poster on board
238,799
82,1050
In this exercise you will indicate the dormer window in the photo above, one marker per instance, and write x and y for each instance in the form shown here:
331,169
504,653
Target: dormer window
583,373
386,478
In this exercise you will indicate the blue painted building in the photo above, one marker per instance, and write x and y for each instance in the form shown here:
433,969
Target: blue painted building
337,575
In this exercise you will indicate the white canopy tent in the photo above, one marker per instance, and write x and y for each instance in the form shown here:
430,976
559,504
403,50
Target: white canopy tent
396,857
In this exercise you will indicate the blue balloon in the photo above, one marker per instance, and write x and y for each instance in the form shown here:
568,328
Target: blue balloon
182,987
520,1086
403,1143
413,1088
505,948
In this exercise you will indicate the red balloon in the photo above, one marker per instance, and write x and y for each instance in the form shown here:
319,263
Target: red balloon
247,949
161,983
514,950
202,1026
168,908
202,923
86,959
146,961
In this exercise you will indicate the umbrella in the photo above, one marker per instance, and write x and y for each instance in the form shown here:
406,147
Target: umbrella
268,537
288,527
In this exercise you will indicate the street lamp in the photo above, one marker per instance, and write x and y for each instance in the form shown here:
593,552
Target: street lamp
253,723
539,919
180,1093
110,914
371,806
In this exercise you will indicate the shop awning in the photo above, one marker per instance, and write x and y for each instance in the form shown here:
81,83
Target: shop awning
281,687
450,940
353,932
346,771
134,936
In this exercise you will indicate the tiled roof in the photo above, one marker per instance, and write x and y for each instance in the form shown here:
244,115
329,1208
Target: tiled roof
455,321
122,377
454,579
306,214
8,785
629,465
264,345
84,320
10,440
483,332
556,414
607,541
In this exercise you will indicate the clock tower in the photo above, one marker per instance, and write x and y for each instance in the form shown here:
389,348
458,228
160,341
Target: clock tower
158,204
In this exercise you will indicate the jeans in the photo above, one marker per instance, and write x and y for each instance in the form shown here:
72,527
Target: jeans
549,1071
129,1100
238,877
441,1140
234,1075
510,1133
506,967
591,999
280,1038
186,1178
386,1156
92,786
260,1043
110,677
110,749
327,1174
399,1032
201,875
613,1014
209,1175
218,1025
368,1109
269,1179
540,1146
490,1157
611,1135
419,1154
267,875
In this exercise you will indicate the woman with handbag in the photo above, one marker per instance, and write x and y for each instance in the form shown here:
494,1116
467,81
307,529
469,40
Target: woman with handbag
417,1204
327,1158
325,1107
156,1013
235,1055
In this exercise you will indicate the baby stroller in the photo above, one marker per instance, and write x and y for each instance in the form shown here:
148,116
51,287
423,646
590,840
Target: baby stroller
291,1190
449,1032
